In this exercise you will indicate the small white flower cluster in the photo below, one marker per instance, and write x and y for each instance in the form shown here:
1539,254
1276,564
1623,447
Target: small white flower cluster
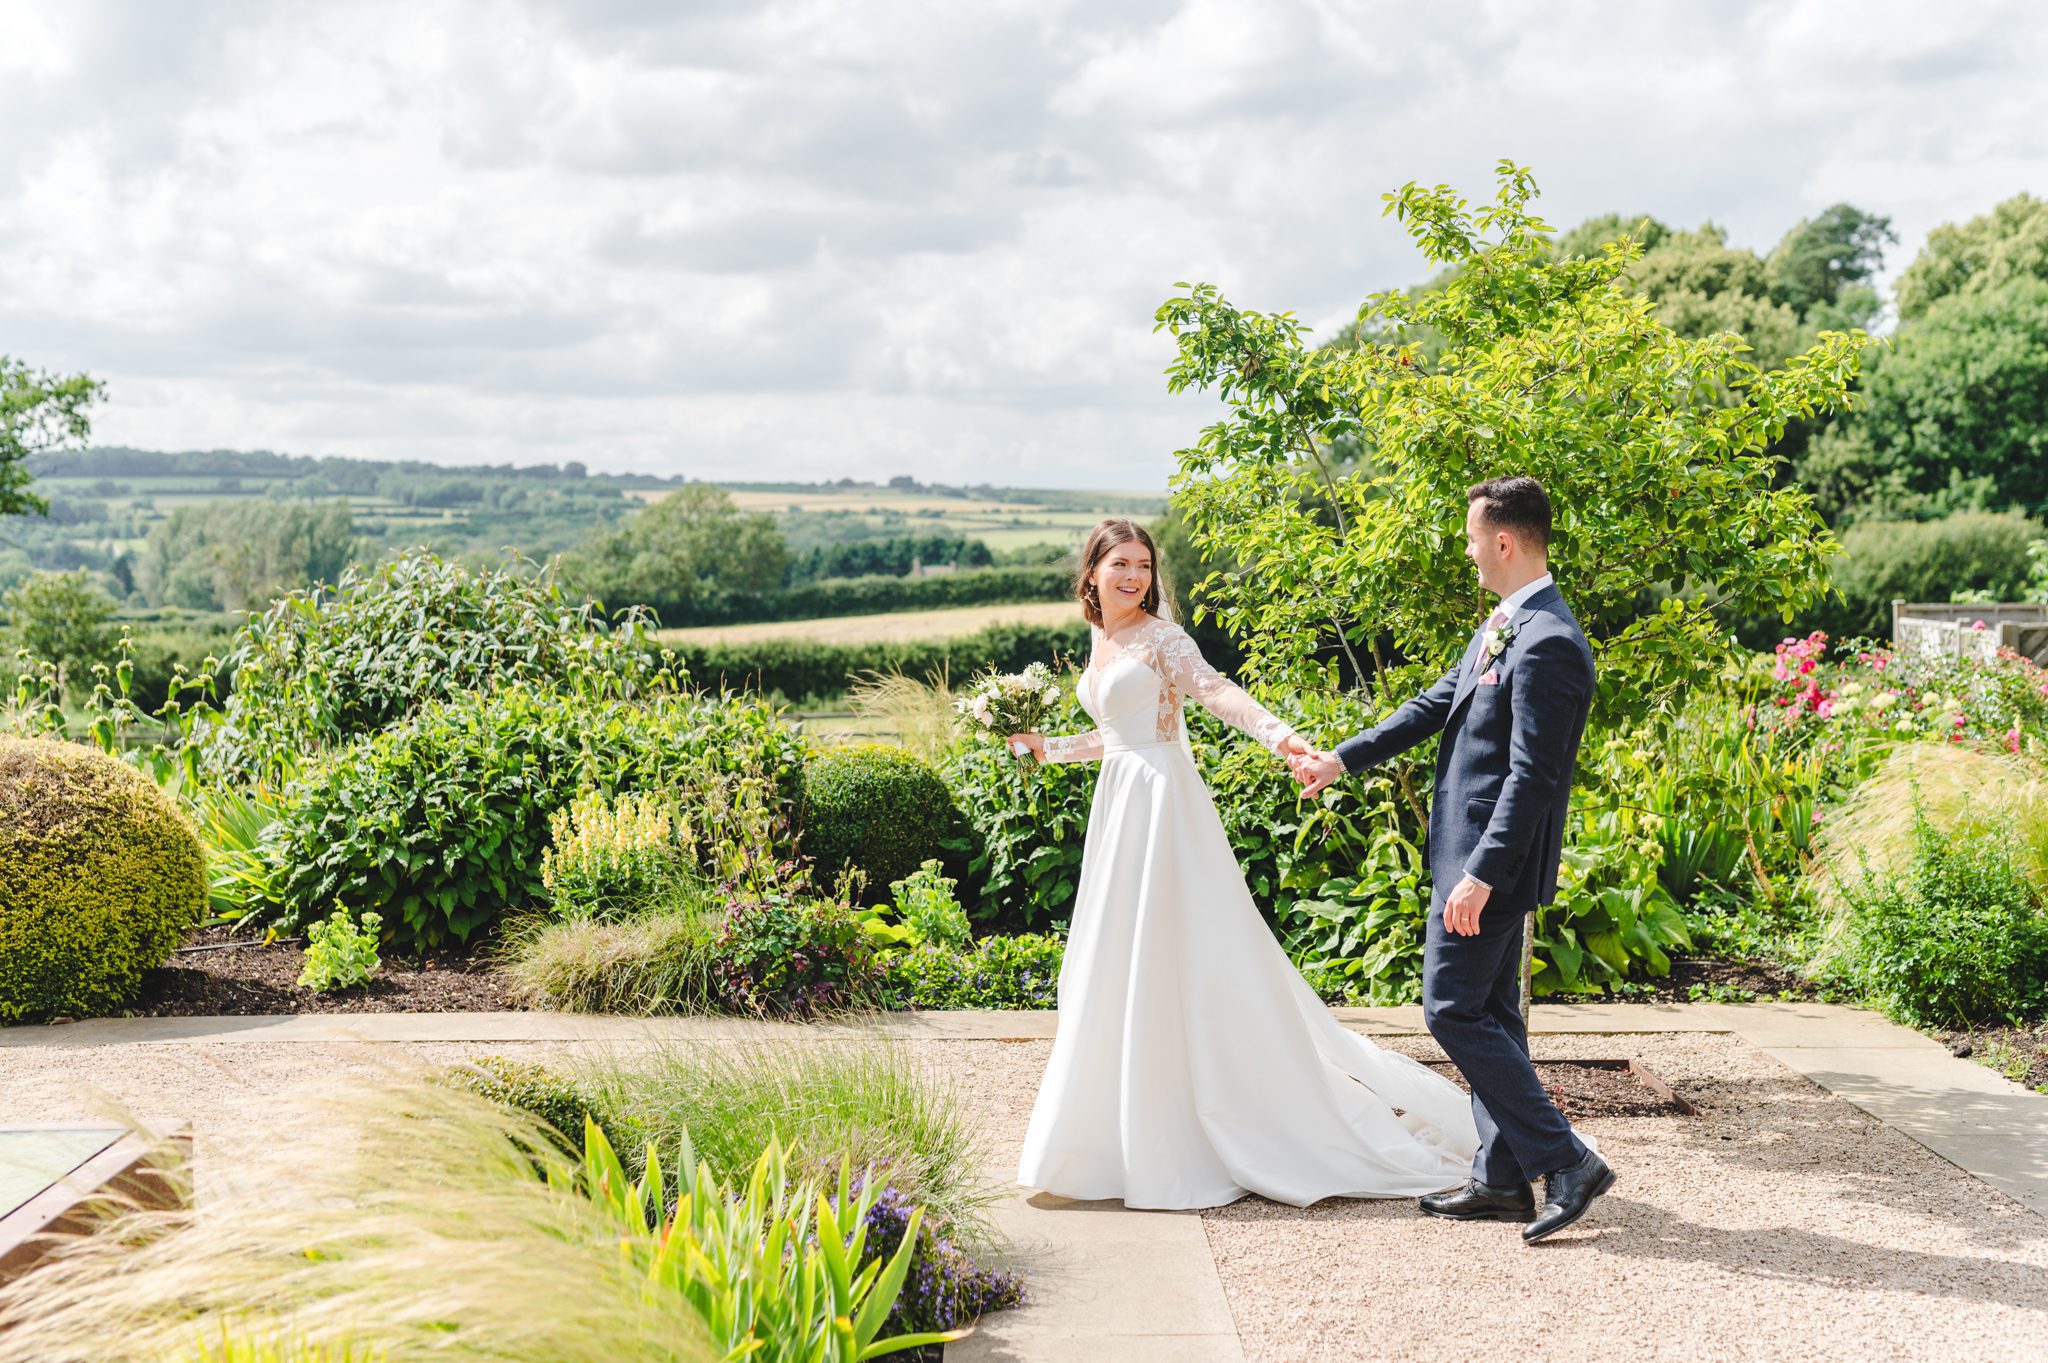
1000,704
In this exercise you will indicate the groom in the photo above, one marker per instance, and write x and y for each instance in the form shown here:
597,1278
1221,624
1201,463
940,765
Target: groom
1511,714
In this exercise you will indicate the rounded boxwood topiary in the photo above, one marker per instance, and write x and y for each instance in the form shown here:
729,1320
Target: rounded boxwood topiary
100,873
876,808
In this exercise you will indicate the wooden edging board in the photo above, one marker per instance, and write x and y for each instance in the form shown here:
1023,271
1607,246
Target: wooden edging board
125,1173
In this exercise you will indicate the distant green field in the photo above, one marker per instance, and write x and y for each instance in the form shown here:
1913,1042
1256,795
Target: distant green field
110,504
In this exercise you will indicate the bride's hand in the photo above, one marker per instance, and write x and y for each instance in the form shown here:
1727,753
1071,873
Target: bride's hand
1033,743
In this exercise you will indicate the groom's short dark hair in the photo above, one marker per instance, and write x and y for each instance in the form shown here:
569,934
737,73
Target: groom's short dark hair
1517,503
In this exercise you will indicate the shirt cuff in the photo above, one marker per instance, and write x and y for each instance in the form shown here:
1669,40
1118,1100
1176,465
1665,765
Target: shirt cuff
1480,883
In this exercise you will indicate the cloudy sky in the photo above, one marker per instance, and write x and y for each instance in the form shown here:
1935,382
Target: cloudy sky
766,240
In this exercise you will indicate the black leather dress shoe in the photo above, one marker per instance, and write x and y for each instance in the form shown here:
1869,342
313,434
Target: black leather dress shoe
1567,1193
1478,1201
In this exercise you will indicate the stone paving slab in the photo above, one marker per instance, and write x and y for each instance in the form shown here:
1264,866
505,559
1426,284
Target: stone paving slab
1107,1284
1617,1019
516,1026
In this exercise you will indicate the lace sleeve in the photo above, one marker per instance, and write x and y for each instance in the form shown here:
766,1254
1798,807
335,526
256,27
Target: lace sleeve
1182,664
1073,747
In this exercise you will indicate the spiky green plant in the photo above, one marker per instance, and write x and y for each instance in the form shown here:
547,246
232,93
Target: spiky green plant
860,1097
773,1269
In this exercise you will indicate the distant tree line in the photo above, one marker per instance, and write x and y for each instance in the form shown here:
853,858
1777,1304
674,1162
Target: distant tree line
892,557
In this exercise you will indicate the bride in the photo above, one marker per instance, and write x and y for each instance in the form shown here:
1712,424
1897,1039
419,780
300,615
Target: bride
1193,1064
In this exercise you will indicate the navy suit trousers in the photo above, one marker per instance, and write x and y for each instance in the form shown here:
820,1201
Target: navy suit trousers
1471,1001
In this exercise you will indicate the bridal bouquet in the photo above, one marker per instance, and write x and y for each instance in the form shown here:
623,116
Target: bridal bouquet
998,704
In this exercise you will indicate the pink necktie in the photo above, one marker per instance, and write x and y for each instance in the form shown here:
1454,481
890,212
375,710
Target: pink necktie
1485,659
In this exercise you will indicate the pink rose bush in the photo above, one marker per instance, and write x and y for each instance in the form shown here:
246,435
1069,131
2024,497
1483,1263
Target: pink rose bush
1877,693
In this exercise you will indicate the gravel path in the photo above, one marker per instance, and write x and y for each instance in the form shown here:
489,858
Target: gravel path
1781,1224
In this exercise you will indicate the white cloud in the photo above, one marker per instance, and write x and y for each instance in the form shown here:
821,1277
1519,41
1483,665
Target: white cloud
807,239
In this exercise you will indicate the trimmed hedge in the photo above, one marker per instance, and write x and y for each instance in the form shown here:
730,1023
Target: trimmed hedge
876,808
100,874
1916,561
870,595
803,672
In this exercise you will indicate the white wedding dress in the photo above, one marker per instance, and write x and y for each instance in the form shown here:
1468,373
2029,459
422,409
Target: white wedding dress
1193,1064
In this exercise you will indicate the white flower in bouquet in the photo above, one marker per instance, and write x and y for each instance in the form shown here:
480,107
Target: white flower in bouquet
999,704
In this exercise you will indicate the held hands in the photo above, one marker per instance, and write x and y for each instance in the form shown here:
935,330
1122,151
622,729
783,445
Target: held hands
1315,770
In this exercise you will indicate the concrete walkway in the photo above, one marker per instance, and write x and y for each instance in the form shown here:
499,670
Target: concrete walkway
1142,1287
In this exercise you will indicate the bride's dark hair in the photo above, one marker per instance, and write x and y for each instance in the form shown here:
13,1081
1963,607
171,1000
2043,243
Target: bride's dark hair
1103,538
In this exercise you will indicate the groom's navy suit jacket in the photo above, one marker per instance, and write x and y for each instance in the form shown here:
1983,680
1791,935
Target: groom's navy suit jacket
1504,768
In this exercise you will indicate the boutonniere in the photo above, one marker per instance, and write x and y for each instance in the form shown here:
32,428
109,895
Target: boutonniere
1497,640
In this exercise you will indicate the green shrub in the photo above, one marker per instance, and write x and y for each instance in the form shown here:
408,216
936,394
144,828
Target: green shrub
324,666
340,953
536,1090
875,808
1024,829
100,874
1611,916
1021,971
788,957
439,822
1924,561
1958,936
657,961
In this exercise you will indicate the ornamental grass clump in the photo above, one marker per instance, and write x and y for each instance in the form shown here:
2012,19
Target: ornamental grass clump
864,1099
383,1218
1957,936
663,960
397,1220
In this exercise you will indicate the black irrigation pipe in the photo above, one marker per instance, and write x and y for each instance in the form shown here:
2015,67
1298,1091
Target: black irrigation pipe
228,946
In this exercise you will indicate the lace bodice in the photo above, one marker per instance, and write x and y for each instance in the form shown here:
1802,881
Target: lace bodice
1134,692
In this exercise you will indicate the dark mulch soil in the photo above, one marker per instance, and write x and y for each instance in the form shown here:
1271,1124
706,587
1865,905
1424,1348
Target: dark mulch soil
251,979
1583,1089
2018,1053
1706,979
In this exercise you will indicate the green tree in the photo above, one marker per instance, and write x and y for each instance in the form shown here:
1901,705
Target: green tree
691,546
1701,285
61,618
1553,368
1594,235
38,412
1980,256
1956,415
1827,263
239,555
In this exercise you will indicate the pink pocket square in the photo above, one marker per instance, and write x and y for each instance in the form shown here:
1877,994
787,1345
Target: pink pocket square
1492,677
